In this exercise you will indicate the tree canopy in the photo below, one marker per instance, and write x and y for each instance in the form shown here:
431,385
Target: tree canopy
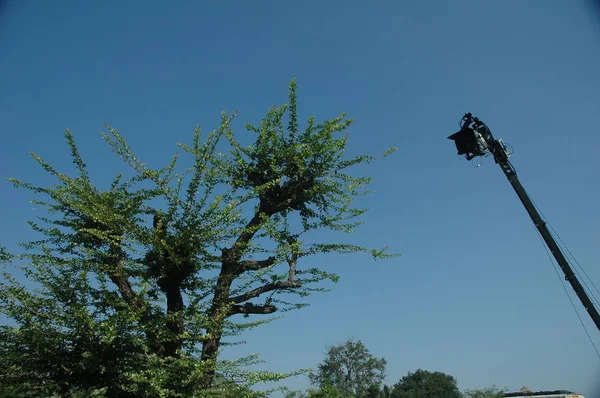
351,369
489,392
140,285
425,384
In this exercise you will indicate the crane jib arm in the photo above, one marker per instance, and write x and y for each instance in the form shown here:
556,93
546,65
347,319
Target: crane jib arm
475,139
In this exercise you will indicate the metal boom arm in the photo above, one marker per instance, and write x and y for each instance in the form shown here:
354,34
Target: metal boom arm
540,224
478,140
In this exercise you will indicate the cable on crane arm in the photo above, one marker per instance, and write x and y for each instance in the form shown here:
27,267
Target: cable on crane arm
562,282
566,248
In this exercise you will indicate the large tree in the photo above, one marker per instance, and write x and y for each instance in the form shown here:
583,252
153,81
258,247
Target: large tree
425,384
350,368
139,285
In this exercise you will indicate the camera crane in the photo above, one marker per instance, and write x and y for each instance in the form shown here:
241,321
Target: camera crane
475,139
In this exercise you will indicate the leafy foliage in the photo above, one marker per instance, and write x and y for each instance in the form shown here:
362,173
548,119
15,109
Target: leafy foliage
324,391
426,384
138,286
351,369
418,384
386,392
490,392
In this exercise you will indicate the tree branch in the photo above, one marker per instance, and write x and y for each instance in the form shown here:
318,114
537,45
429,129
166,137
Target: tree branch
293,260
124,287
247,234
250,308
267,208
264,289
253,265
117,276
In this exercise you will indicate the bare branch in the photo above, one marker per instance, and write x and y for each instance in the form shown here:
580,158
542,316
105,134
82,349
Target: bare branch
264,289
292,271
250,308
293,260
252,265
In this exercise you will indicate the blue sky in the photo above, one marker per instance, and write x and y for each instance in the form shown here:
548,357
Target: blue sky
473,294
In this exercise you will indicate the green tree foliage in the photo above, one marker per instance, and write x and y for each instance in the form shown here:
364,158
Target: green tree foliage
374,391
425,384
490,392
351,369
386,392
133,290
327,391
324,391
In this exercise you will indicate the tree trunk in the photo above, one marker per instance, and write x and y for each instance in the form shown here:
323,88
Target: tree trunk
174,305
230,269
217,315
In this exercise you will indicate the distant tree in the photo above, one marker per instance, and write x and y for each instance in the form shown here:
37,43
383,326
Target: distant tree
386,392
351,369
374,391
134,289
425,384
327,391
490,392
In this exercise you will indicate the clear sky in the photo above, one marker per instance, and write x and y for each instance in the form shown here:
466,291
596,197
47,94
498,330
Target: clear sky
473,294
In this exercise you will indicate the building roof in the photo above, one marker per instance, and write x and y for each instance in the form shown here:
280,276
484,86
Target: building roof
538,393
